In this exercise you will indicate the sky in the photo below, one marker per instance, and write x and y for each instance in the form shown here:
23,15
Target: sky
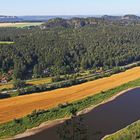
69,7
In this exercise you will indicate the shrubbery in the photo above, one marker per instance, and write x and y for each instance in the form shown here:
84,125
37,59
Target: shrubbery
19,83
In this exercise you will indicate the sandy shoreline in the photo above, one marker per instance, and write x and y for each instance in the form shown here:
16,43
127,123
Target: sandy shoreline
49,124
38,129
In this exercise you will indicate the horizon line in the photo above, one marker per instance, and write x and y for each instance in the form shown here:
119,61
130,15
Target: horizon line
72,15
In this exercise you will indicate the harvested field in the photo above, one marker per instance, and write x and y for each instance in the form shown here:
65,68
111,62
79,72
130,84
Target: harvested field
20,106
20,24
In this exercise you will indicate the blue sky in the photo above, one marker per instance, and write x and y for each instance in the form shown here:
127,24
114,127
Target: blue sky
69,7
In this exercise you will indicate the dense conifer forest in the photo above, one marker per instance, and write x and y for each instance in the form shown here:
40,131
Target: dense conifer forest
69,46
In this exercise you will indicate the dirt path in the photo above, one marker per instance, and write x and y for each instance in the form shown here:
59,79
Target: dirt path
20,106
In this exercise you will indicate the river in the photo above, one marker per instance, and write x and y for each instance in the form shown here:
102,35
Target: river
104,119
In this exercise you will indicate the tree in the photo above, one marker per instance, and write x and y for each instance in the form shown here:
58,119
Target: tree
19,69
37,71
73,129
84,63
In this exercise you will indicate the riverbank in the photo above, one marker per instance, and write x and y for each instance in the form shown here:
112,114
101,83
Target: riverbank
38,129
130,132
49,124
104,102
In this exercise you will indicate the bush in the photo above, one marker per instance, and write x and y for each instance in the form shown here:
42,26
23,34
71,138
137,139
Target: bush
57,79
19,83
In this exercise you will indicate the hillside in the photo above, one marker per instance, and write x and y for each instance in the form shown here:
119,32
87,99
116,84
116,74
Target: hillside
80,47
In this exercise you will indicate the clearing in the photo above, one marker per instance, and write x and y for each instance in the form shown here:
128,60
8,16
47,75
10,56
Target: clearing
20,106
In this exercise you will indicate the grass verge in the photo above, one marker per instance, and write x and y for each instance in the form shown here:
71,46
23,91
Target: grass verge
17,126
131,132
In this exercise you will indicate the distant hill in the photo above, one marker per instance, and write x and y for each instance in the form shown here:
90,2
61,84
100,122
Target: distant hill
35,18
46,18
72,23
107,17
91,21
42,18
131,17
125,17
9,19
4,18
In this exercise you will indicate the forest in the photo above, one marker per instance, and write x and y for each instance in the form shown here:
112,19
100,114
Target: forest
68,46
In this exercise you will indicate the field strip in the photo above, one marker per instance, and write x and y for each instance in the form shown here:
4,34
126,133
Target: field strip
18,107
20,24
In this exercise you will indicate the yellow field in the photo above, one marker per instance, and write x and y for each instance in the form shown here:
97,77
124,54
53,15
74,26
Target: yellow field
6,86
20,106
6,42
32,82
20,24
40,81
